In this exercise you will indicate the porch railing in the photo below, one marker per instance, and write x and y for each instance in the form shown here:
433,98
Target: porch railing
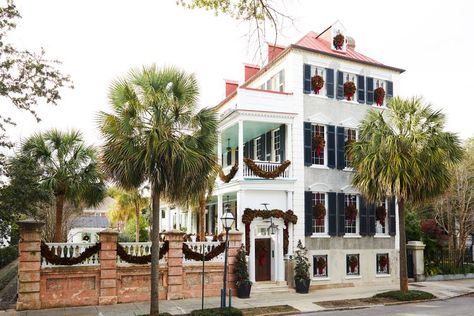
266,166
205,247
137,249
69,250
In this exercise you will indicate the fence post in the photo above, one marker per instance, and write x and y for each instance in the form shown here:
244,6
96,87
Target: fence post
175,265
418,248
29,266
235,241
108,267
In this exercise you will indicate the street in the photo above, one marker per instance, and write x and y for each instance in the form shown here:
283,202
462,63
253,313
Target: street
463,305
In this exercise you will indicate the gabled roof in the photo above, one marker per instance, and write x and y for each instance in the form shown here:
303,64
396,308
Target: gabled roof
90,222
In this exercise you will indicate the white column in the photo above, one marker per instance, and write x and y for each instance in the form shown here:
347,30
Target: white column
219,213
280,263
170,219
289,204
219,148
189,223
178,218
239,225
240,172
288,149
252,254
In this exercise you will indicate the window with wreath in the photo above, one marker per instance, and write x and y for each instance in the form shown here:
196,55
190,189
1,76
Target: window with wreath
383,261
318,76
350,136
319,213
352,264
350,86
381,218
320,266
318,144
351,214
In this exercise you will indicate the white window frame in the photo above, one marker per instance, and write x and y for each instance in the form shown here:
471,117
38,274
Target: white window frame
276,135
346,138
318,70
325,155
378,227
357,220
257,148
349,76
326,218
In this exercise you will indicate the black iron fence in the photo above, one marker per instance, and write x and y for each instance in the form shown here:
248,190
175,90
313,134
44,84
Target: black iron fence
443,261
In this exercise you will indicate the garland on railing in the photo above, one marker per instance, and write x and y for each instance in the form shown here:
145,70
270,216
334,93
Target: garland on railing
122,253
230,175
67,261
197,256
266,174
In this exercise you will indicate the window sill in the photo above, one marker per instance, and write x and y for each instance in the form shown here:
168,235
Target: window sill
319,167
353,277
352,236
348,169
350,102
316,278
383,106
382,275
381,236
318,96
320,236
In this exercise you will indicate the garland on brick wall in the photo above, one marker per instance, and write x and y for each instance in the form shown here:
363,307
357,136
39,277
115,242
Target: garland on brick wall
122,253
227,177
57,260
266,174
197,256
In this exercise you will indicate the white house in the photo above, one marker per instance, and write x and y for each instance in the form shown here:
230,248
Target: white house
277,114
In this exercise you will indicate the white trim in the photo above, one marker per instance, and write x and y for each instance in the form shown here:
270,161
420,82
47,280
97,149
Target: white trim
319,119
382,236
320,96
315,278
315,166
352,277
320,235
350,189
349,123
348,235
382,275
319,187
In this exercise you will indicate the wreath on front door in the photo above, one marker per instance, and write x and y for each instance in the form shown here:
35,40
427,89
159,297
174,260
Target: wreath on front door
261,252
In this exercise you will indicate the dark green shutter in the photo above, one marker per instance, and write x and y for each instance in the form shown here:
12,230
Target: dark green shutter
262,147
371,214
389,90
237,154
341,217
363,217
307,143
391,217
332,214
340,85
307,79
246,150
331,145
330,83
361,89
308,213
341,148
268,146
251,149
229,157
282,141
370,90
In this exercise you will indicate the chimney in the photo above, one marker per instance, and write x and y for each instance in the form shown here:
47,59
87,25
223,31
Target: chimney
351,43
274,51
250,71
230,86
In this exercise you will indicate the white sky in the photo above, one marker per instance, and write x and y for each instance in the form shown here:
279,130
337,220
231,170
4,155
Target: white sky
98,41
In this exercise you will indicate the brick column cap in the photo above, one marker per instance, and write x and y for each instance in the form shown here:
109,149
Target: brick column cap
109,231
174,235
30,223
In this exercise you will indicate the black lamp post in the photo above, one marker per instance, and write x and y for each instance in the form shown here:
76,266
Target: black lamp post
227,221
272,228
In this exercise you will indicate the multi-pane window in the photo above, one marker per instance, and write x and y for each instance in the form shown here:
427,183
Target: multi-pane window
318,144
258,148
275,83
276,145
319,224
281,83
352,264
381,220
318,71
320,266
383,266
350,77
380,84
349,137
351,215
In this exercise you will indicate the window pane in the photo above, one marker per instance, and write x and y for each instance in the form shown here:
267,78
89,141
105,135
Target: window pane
317,154
320,266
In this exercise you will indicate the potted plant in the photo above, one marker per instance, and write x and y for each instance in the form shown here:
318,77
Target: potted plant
242,281
349,89
302,280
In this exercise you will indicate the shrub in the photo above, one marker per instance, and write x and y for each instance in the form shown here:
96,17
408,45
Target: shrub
301,263
408,296
228,311
7,255
240,270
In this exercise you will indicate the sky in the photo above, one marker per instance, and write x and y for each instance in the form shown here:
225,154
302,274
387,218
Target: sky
99,41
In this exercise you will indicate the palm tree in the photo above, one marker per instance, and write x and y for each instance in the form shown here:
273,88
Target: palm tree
156,135
128,203
406,154
68,168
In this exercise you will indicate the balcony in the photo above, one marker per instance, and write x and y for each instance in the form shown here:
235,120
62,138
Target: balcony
266,166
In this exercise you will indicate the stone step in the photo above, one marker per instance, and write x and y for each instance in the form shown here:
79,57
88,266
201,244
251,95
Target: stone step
269,287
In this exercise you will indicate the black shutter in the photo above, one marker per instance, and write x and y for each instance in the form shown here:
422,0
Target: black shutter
332,213
308,213
246,150
262,147
237,155
340,85
341,148
389,90
268,146
307,143
370,90
282,141
341,217
307,79
361,89
330,83
229,157
363,216
371,214
391,217
251,149
331,144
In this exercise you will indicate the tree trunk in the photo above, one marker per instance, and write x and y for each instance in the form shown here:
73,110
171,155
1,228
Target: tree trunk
403,247
137,226
202,216
59,218
155,254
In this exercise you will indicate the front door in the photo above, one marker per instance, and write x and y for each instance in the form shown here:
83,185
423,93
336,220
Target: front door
262,259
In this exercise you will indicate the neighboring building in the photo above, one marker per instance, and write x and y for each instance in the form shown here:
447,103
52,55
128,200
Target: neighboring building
275,115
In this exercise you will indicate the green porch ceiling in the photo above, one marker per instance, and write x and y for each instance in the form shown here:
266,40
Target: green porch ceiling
251,130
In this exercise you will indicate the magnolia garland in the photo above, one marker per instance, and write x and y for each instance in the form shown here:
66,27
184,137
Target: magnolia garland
63,261
122,253
230,175
197,256
266,174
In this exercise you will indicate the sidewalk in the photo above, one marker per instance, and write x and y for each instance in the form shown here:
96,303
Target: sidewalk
302,302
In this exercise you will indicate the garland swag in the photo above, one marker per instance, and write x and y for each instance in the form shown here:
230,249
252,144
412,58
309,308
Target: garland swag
197,256
266,174
227,177
57,260
122,253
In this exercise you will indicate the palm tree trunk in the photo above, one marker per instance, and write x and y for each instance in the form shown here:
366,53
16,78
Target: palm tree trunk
59,218
137,226
202,216
403,247
155,254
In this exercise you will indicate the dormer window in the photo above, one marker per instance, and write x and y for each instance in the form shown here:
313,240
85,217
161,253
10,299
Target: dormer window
338,42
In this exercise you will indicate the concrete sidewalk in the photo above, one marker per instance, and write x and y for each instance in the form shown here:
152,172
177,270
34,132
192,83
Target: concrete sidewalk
302,302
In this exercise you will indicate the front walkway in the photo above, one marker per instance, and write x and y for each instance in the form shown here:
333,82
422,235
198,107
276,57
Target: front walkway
302,302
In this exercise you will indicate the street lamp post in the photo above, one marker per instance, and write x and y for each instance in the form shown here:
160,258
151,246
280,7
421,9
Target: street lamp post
227,221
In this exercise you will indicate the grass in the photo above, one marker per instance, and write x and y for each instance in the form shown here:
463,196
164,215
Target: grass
270,310
413,295
8,273
228,311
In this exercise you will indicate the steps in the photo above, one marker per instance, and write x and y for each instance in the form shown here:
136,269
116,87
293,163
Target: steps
270,287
